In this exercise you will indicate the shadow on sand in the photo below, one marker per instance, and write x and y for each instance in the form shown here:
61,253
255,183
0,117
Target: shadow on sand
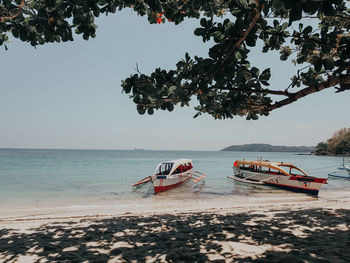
312,235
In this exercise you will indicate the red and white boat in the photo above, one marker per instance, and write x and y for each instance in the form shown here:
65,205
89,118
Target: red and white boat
279,174
171,174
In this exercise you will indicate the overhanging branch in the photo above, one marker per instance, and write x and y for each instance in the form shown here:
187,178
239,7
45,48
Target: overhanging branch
246,33
266,92
4,18
330,82
262,91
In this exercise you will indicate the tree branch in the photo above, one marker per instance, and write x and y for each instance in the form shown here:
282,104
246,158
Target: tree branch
246,33
268,92
330,82
4,18
261,91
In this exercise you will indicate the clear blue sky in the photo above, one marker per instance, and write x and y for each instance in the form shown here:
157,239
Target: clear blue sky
68,95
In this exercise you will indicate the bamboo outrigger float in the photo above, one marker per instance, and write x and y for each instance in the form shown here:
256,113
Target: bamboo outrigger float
278,174
171,174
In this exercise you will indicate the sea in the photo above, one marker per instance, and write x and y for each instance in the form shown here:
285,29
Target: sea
37,176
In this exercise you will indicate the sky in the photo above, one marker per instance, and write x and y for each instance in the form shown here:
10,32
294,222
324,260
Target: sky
69,95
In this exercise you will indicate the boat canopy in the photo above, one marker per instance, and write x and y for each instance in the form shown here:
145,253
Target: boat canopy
281,167
173,167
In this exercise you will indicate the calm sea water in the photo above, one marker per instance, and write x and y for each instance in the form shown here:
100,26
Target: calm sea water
35,176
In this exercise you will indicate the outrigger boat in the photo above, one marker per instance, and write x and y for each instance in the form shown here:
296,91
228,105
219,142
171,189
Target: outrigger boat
278,174
343,171
171,174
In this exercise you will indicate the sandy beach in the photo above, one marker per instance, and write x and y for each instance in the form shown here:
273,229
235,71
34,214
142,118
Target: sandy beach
294,228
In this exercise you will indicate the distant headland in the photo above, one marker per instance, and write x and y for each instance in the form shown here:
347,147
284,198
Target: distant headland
261,147
337,145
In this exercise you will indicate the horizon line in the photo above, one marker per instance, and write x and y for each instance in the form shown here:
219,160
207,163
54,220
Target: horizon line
100,149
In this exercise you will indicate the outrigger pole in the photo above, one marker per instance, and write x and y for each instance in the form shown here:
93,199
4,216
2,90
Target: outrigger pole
143,181
197,176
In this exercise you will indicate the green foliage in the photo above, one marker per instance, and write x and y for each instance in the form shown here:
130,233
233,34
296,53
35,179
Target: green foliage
339,144
321,149
226,83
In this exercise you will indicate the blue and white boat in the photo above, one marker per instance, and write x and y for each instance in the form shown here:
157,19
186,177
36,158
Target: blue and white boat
342,171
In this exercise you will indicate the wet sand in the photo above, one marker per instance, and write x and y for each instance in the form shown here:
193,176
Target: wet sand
294,228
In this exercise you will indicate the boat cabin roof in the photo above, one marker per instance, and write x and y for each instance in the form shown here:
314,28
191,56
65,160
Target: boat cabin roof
173,165
272,165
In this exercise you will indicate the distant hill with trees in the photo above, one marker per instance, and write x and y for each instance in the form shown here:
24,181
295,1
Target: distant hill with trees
260,147
339,144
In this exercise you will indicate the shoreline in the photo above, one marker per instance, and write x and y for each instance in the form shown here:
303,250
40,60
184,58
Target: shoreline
21,217
300,230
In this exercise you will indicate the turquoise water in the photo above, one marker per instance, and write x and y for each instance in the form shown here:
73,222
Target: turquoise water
59,175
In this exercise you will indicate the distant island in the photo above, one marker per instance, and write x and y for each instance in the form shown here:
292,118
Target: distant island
261,147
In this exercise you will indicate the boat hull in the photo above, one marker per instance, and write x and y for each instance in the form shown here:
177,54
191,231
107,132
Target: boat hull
164,184
295,189
308,185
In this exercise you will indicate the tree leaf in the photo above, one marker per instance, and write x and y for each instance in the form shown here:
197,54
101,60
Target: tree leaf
265,75
307,30
200,31
218,36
